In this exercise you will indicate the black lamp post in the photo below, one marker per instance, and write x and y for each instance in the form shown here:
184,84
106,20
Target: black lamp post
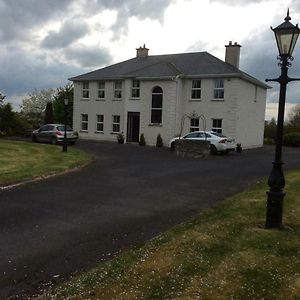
286,37
65,143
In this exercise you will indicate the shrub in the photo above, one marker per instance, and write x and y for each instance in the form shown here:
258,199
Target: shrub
292,139
142,141
269,141
159,141
120,138
239,148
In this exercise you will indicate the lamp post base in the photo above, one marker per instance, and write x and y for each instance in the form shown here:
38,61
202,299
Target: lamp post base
274,209
65,148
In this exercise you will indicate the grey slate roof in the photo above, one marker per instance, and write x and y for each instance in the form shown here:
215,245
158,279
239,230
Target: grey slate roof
197,64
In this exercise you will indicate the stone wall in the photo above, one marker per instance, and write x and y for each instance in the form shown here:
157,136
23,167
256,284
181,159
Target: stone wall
192,148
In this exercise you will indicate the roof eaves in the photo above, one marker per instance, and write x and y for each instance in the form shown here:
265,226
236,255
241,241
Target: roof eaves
253,80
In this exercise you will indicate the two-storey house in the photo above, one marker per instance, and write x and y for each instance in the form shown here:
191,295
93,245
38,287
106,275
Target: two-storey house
170,95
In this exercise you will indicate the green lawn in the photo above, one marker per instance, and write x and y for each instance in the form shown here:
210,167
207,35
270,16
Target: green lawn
225,253
22,160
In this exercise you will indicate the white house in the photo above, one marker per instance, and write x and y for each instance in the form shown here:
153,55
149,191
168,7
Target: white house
169,95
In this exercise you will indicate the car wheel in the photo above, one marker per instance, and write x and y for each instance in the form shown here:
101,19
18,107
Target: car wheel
213,149
34,138
53,140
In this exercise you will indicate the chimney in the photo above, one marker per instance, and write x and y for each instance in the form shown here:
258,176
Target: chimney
232,54
142,52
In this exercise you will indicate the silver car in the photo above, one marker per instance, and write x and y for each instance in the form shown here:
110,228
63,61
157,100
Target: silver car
54,134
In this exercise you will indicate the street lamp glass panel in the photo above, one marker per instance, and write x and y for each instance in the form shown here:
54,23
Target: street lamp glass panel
286,40
66,101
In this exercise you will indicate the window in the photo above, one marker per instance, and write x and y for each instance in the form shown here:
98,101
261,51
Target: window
85,90
116,124
135,91
118,89
194,124
156,108
196,89
101,89
216,125
84,122
99,123
219,89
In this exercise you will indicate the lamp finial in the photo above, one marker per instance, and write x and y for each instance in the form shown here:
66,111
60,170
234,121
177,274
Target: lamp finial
288,18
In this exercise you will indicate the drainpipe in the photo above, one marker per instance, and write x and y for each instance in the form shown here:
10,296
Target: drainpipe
177,103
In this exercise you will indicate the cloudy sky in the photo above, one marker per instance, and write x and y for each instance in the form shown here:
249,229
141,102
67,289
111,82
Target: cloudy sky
45,42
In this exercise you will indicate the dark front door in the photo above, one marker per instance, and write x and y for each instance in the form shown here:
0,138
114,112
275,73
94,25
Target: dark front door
133,127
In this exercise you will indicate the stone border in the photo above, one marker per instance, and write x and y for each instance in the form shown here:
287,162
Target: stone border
43,177
192,148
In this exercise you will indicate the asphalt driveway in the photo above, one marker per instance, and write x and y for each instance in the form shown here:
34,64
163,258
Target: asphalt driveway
63,225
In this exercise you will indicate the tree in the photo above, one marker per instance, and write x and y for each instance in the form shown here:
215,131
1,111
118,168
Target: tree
12,123
48,113
61,94
35,104
2,97
7,119
270,129
293,124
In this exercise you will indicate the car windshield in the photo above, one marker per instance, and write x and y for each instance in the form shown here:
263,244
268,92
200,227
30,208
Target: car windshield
218,134
62,128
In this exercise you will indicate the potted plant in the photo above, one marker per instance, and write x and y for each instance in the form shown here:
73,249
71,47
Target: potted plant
159,141
142,141
120,138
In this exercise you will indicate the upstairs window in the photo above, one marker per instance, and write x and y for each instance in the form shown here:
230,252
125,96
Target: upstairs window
85,90
219,89
118,90
196,89
194,124
156,107
135,91
101,89
216,125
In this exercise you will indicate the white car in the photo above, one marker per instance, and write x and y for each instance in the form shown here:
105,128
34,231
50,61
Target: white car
218,142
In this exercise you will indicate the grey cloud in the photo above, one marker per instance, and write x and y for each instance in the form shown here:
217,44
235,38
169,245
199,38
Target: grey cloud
18,17
141,9
238,2
260,61
70,31
199,46
21,73
89,56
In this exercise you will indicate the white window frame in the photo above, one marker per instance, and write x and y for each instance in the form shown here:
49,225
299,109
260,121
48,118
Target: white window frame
135,89
84,123
195,89
193,126
116,122
217,127
99,122
219,91
85,90
156,109
118,89
101,89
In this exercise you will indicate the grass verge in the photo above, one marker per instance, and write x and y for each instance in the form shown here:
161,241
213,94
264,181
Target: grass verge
225,253
22,160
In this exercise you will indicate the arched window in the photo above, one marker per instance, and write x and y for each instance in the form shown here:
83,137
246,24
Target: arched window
156,107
